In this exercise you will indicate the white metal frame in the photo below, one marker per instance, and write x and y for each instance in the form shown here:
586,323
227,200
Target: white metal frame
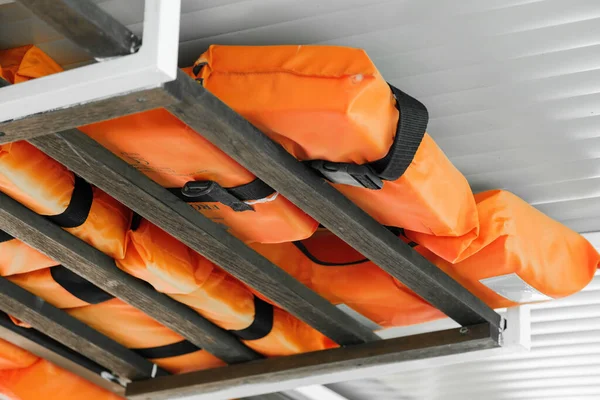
515,338
153,65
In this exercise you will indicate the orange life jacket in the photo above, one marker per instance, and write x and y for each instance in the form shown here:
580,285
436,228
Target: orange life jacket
520,256
174,269
24,376
331,104
117,320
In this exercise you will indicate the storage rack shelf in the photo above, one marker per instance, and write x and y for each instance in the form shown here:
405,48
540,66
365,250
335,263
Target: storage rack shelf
53,130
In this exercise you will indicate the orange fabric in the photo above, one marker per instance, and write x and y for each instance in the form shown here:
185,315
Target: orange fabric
516,238
362,285
134,329
16,258
331,103
44,380
431,197
307,98
45,186
25,63
12,357
24,376
43,285
173,268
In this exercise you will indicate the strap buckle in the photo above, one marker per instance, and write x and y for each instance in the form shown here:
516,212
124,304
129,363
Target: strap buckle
348,174
210,191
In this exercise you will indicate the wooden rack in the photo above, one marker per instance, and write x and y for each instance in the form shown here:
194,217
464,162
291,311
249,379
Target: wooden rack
54,132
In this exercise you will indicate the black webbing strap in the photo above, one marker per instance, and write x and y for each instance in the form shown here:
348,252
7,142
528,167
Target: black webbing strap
5,237
170,350
314,259
234,197
410,130
400,233
79,207
136,220
262,324
79,287
411,127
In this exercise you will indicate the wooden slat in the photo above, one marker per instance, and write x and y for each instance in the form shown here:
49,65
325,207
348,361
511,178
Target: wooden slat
323,366
87,25
82,114
62,327
101,270
102,168
270,162
45,347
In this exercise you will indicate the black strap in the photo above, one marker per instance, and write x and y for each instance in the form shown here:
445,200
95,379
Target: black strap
197,68
5,237
412,123
78,286
136,220
170,350
314,259
262,324
233,197
410,130
400,232
79,207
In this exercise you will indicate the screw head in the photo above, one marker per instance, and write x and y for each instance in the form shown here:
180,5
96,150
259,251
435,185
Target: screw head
464,330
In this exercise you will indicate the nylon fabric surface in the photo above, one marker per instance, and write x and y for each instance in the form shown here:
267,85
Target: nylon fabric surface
24,376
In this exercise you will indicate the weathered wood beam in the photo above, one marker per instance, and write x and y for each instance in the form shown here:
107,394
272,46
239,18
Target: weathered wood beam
328,366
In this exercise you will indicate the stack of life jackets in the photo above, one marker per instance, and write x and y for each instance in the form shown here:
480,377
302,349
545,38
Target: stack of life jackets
368,139
216,295
161,260
24,376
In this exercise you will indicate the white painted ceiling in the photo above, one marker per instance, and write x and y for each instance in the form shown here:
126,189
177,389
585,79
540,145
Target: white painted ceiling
513,90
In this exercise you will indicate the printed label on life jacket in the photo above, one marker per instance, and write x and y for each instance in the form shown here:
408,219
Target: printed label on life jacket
359,317
513,288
